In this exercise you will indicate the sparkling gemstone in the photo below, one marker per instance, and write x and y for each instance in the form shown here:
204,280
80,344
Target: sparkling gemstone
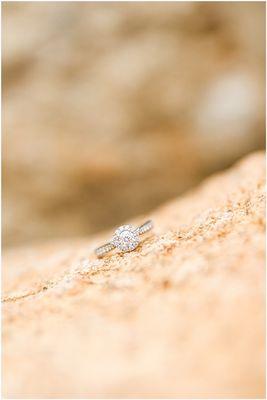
126,238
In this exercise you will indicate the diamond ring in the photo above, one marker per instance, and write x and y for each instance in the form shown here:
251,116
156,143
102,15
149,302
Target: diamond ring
126,238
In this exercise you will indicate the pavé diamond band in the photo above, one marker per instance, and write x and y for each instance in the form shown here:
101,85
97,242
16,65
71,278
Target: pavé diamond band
126,238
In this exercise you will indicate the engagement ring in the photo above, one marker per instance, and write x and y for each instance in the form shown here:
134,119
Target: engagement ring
126,238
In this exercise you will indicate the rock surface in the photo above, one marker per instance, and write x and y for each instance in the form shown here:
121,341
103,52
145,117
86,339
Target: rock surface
182,316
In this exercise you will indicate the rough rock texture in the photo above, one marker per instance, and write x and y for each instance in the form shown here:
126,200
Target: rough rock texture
112,108
182,316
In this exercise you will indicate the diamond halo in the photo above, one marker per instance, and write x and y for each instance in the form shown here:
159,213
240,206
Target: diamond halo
126,238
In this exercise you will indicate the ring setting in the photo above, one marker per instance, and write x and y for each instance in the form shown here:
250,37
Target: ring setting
126,238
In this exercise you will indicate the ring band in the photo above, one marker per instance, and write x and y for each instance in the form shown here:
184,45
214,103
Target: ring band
126,238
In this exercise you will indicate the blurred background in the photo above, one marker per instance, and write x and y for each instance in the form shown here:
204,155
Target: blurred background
110,109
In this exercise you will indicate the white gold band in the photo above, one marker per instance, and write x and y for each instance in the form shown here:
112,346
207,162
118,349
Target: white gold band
147,226
102,250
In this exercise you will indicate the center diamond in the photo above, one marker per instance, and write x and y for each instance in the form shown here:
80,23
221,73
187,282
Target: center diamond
126,238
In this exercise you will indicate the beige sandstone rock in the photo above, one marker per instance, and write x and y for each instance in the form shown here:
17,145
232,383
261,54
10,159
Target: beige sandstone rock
182,316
